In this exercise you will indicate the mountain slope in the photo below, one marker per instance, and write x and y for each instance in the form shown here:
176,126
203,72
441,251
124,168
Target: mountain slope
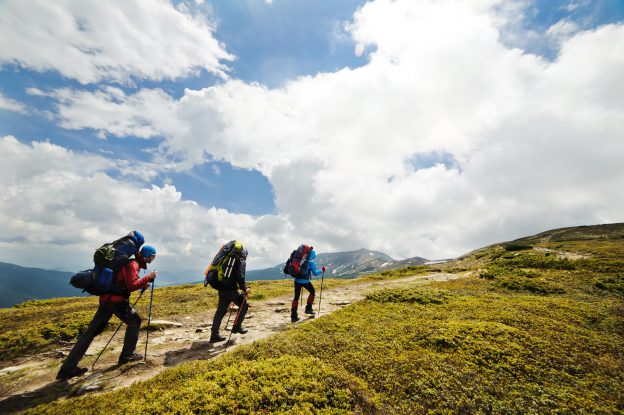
18,284
577,233
531,328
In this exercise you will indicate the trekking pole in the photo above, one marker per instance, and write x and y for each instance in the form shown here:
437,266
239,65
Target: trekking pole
320,295
149,318
229,315
118,327
236,319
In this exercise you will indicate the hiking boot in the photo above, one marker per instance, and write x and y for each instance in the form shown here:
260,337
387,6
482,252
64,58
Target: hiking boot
293,316
68,374
215,338
308,309
134,357
239,329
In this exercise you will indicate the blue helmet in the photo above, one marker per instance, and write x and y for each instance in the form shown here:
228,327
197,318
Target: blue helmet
148,251
138,236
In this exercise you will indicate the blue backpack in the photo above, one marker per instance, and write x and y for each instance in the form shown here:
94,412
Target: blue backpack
108,259
97,281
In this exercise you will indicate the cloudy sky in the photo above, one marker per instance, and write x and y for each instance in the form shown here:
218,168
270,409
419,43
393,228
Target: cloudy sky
413,127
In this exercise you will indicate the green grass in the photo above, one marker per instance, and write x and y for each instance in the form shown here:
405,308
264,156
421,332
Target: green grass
413,295
277,385
477,345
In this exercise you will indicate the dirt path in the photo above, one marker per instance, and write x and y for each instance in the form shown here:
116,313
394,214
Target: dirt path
32,381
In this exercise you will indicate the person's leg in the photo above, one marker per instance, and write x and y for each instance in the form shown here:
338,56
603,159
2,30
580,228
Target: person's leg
124,311
310,288
222,306
295,304
70,367
240,300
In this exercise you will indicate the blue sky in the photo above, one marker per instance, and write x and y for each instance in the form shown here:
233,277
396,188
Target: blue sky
276,122
272,44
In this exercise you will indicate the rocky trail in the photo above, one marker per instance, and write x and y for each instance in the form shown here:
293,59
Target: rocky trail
31,381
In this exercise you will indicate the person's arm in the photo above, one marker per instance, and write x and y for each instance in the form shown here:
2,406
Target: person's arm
313,269
240,277
129,274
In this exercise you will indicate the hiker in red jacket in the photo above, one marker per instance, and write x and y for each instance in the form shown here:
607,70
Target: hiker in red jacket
127,280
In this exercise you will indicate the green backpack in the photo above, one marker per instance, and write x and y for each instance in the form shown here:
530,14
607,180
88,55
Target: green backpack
219,272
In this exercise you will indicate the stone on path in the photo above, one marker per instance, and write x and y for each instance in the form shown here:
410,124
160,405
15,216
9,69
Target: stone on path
163,324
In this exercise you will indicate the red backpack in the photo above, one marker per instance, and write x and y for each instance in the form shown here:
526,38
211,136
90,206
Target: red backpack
297,262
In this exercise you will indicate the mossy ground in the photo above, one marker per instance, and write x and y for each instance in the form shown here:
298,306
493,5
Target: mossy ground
273,385
474,345
532,332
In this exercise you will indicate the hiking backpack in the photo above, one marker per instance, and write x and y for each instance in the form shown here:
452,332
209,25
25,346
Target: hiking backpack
219,272
108,259
114,255
298,261
97,281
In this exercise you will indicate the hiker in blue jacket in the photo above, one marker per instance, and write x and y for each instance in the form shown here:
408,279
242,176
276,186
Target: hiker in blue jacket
305,282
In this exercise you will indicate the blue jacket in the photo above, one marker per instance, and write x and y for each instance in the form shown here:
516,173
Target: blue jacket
310,269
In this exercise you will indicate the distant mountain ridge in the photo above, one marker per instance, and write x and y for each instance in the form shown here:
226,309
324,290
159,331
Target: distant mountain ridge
348,264
19,284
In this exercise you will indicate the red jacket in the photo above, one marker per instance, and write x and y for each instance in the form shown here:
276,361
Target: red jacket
128,276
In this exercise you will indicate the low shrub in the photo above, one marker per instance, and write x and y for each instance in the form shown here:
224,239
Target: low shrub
539,261
413,295
486,275
613,283
516,247
517,283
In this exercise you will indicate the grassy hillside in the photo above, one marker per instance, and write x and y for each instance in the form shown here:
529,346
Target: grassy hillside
538,329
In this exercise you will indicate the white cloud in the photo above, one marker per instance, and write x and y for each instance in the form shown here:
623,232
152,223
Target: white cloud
145,114
336,146
116,40
36,92
9,104
537,144
574,5
562,30
58,206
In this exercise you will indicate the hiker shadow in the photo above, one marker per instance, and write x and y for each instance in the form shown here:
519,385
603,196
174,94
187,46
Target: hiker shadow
53,391
48,393
199,350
